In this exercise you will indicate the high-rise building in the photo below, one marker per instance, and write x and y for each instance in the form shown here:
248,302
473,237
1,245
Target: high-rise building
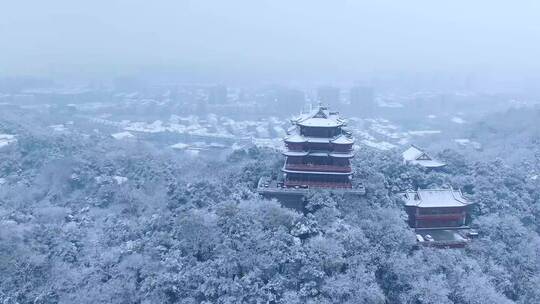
329,95
217,94
362,99
289,100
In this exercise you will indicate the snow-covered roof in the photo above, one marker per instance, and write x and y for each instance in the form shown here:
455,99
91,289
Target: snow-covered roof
6,139
319,117
318,140
295,153
343,140
458,120
342,155
122,135
291,129
430,163
315,172
295,138
180,146
320,154
416,156
320,122
120,179
340,139
433,198
412,153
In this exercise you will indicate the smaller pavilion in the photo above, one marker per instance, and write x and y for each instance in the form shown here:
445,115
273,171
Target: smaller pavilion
417,156
439,217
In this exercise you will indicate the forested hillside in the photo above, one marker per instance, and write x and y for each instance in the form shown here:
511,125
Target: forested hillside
513,135
86,219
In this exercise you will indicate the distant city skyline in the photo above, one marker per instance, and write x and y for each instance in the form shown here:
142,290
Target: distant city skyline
273,41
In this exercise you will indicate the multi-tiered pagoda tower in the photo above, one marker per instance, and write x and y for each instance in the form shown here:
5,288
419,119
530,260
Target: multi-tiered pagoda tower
318,152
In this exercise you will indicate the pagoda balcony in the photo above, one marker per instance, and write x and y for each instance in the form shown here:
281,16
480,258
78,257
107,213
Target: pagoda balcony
319,147
268,186
445,237
318,168
323,185
319,153
434,217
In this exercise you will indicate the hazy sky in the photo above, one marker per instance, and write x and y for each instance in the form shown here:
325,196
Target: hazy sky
279,38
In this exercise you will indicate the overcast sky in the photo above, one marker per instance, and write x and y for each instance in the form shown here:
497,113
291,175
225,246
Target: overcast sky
281,38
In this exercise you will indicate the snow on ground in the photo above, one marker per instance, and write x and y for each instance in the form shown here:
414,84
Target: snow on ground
236,146
462,141
534,177
120,179
213,126
262,132
403,141
105,121
424,132
364,134
279,131
193,129
2,181
384,127
154,127
381,134
274,143
458,120
465,142
58,128
102,179
177,128
193,152
383,145
122,135
389,104
6,139
180,146
216,145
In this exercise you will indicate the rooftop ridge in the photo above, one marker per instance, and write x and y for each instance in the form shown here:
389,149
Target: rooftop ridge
419,193
460,199
419,197
417,147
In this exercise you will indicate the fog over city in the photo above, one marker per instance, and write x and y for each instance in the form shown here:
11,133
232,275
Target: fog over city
276,41
276,152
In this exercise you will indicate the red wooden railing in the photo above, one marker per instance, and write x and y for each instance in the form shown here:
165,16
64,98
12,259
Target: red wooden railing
322,168
313,184
434,217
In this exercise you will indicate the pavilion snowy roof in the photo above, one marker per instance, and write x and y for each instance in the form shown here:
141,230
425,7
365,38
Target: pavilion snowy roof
295,153
343,140
415,155
430,163
319,117
412,153
320,154
284,169
340,139
295,138
430,198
